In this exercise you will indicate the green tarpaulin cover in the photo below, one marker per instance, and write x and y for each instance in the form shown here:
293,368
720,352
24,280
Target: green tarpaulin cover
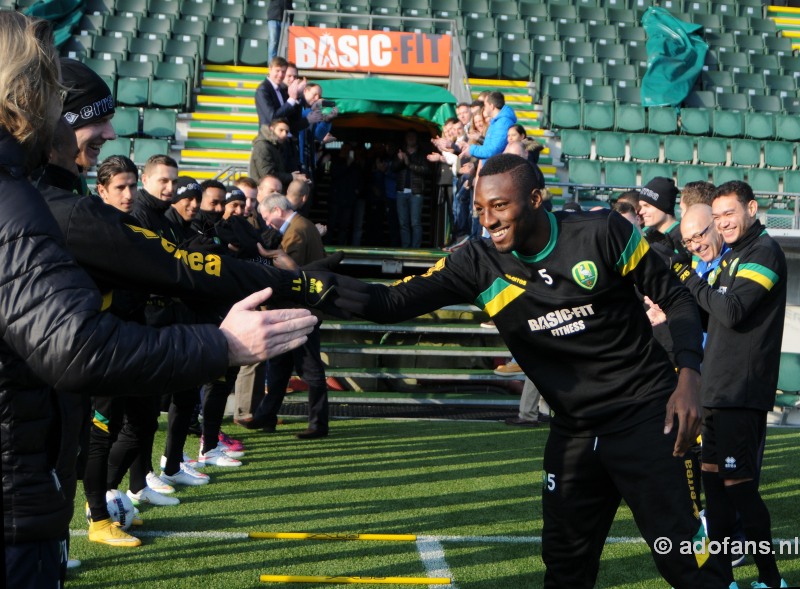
675,56
389,97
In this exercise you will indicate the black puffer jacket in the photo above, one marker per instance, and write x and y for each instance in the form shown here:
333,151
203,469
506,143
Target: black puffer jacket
53,336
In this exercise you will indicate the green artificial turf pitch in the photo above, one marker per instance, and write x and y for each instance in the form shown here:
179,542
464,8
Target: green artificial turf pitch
471,488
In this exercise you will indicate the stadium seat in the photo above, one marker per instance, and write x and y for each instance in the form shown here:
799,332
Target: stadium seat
164,9
791,182
115,25
679,149
691,173
74,49
387,23
735,62
172,85
483,57
622,75
759,123
513,30
637,55
611,54
750,43
253,45
727,123
221,44
533,11
473,8
549,50
694,7
733,23
126,121
651,170
722,174
712,150
159,123
189,30
630,114
632,36
580,52
768,64
780,85
542,30
93,6
778,154
717,81
557,72
622,174
745,152
565,13
780,45
750,7
118,146
582,171
515,59
256,15
183,52
110,48
565,114
598,115
645,147
133,82
595,16
623,17
763,26
696,121
145,148
750,83
581,71
195,10
392,7
502,10
323,21
146,49
721,42
711,23
576,143
441,9
89,24
106,69
763,180
610,145
571,32
662,119
136,8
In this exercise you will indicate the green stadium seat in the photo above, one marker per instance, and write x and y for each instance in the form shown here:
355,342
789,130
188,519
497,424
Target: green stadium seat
651,170
115,25
387,23
126,121
556,72
745,152
392,7
595,16
512,30
691,173
160,122
172,85
592,92
189,30
581,71
695,7
133,82
750,43
622,174
790,64
576,143
622,75
611,54
598,115
630,114
442,9
533,11
483,57
662,119
759,123
253,45
106,69
164,9
571,32
196,10
632,36
763,180
565,114
145,148
696,121
515,59
750,7
734,62
781,85
679,149
471,8
544,51
780,45
503,10
721,41
791,182
674,6
146,49
727,123
543,30
583,171
93,6
712,150
110,48
733,24
717,81
711,23
579,52
723,174
645,147
257,15
228,13
90,24
750,83
323,21
778,154
637,55
565,13
623,17
118,146
768,64
221,44
185,52
610,145
74,49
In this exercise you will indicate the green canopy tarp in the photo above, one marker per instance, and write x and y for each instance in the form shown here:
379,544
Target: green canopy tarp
391,98
675,56
64,14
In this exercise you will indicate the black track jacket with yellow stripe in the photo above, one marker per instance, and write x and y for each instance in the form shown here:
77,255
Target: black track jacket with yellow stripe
746,308
570,316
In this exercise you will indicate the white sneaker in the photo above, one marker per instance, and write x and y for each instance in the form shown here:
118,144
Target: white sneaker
73,563
186,460
186,476
218,457
148,495
158,485
230,453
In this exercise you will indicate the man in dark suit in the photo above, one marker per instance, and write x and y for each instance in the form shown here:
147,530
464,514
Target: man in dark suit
274,99
302,241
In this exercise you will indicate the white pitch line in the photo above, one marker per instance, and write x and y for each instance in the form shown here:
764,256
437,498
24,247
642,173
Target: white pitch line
431,553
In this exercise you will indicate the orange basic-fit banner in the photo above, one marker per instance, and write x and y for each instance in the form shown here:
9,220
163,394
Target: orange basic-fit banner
416,54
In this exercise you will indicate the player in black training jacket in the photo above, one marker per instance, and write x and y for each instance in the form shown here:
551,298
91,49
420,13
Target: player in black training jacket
560,289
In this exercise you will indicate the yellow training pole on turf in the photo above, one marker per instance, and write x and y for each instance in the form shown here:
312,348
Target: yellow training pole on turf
334,536
354,580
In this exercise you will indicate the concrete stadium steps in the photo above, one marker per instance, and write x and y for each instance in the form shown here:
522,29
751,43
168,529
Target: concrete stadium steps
787,21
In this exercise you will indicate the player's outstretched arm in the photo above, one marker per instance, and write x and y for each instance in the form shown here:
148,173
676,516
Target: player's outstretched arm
254,336
684,406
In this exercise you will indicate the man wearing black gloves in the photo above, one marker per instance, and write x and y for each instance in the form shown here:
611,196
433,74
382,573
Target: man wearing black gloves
561,289
746,306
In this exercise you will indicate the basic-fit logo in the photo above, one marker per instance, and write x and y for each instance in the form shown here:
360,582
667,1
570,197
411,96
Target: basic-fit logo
585,274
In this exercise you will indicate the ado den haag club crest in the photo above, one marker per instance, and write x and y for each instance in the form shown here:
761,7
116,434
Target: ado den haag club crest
585,274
